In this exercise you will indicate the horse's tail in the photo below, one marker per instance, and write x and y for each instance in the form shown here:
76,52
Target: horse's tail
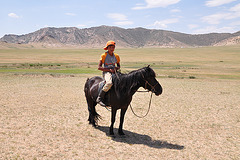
94,117
86,86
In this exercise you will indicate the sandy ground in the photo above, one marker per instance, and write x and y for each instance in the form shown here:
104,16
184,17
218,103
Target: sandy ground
45,117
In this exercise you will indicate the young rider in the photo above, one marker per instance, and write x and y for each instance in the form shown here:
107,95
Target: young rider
108,59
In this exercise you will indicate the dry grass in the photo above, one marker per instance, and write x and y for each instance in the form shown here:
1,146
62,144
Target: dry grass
45,117
43,112
209,62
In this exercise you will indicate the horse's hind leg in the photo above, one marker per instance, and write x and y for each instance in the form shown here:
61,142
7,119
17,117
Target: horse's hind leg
93,115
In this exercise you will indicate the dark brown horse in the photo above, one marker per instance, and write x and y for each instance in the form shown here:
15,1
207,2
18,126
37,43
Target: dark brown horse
120,95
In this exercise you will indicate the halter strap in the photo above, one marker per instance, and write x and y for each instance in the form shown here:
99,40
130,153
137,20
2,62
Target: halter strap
147,83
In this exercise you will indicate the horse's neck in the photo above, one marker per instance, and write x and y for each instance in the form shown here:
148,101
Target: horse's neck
135,88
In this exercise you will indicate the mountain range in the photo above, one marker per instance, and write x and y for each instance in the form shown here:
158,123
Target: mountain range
96,37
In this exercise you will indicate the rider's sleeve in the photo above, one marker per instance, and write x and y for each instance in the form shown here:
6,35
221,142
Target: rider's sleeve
103,57
117,57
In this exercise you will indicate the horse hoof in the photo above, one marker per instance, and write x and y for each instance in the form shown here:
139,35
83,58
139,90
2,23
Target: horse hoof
121,133
112,136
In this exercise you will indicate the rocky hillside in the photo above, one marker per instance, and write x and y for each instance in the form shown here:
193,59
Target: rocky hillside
96,37
229,41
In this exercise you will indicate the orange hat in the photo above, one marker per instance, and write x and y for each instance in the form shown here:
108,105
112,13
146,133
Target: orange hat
108,44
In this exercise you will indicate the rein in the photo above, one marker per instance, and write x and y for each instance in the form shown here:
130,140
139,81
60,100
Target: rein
150,101
149,105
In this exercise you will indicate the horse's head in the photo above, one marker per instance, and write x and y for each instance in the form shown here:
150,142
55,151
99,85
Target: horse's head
150,82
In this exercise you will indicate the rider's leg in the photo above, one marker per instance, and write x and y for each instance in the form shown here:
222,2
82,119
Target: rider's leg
108,78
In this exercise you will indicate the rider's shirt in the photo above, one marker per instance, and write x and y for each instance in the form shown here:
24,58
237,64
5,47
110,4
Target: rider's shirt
109,61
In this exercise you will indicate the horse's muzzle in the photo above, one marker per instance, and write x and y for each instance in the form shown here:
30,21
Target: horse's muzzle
158,91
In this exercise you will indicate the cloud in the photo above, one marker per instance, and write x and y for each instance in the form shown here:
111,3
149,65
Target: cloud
123,23
192,26
217,18
215,3
237,23
155,4
164,23
235,8
117,16
214,29
13,15
70,14
120,19
81,25
175,10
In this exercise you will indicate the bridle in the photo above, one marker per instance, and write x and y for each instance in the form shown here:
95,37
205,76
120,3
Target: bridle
147,83
145,87
149,105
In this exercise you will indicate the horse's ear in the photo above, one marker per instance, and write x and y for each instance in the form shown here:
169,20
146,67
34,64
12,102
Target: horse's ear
148,66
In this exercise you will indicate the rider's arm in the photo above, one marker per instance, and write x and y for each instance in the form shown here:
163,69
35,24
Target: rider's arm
105,69
118,66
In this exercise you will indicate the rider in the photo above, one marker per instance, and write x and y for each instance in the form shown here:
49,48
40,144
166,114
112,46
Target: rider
108,59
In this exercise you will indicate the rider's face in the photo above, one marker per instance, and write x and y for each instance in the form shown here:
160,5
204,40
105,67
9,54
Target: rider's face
111,49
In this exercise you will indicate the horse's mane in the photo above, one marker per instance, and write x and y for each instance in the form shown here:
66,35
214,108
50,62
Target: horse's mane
124,83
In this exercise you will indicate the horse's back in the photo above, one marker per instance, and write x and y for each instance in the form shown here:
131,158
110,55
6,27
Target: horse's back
94,80
91,86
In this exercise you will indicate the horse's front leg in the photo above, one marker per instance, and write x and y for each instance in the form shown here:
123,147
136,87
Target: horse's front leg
120,130
114,111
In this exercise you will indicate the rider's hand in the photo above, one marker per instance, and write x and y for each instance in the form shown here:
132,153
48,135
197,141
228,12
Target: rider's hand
112,70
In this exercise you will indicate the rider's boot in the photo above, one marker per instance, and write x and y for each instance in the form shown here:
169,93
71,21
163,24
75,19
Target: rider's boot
100,98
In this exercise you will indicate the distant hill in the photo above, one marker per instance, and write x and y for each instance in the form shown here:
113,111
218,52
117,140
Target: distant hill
229,41
96,37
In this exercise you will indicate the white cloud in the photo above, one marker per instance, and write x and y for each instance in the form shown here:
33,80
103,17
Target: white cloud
237,23
192,26
123,23
117,16
215,3
13,15
70,14
164,23
81,25
235,8
120,19
235,11
216,18
155,4
175,10
214,29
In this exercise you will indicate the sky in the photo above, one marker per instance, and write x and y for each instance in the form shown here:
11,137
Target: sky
186,16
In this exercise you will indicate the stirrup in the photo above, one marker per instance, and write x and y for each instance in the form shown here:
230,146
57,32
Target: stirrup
102,104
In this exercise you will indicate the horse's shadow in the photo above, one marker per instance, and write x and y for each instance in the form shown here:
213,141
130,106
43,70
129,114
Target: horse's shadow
135,138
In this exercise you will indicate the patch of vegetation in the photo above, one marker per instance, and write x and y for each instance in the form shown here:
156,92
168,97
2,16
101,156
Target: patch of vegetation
192,77
204,62
82,68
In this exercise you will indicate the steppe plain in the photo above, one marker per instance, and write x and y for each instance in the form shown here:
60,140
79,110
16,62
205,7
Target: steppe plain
43,111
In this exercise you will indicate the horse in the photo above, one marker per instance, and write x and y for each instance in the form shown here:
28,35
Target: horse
120,94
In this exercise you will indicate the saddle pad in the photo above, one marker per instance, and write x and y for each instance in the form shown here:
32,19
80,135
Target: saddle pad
100,86
107,95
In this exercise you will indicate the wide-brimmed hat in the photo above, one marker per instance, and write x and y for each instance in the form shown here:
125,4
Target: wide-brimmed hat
109,43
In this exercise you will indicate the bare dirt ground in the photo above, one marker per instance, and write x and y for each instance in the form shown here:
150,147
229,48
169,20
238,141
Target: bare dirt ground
45,117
